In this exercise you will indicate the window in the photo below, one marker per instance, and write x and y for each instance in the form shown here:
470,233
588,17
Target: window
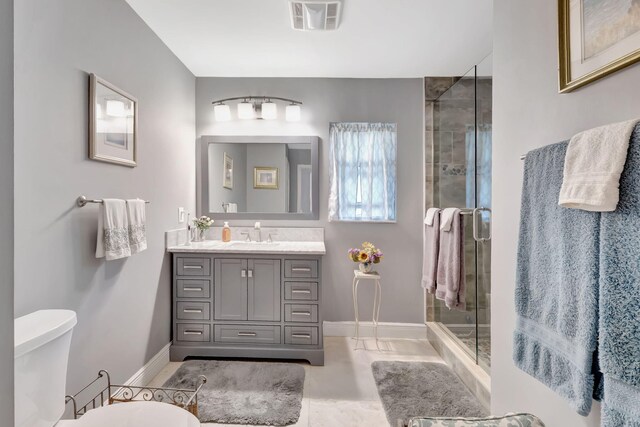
363,172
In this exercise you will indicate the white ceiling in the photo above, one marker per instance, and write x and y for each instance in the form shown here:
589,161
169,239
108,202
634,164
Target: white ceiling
376,38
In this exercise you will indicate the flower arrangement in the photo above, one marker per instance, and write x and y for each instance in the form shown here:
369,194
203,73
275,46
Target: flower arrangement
366,256
202,224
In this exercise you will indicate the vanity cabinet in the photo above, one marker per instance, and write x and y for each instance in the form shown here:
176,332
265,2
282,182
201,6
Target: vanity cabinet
247,289
254,306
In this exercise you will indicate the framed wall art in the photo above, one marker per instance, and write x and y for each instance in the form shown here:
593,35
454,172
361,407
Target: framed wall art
265,178
596,38
113,123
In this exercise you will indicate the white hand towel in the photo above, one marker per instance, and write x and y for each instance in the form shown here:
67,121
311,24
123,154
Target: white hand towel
232,207
446,218
594,161
113,230
431,246
431,213
137,225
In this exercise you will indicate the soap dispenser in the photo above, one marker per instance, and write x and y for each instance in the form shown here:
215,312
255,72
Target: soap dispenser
226,232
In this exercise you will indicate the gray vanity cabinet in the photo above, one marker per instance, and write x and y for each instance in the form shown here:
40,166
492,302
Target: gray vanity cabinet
247,289
231,289
263,299
260,306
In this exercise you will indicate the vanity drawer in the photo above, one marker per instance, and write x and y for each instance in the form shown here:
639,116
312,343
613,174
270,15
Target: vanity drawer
192,288
301,335
249,334
188,266
193,332
300,268
301,291
186,310
307,313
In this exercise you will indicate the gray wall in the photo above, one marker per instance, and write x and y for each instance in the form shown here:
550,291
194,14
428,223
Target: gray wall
124,311
6,209
367,100
529,113
219,194
267,200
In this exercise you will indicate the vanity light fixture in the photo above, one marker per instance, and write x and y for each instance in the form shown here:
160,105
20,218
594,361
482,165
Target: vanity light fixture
246,111
256,107
269,110
292,113
222,112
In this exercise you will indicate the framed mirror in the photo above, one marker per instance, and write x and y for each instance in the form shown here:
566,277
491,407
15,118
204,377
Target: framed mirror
259,177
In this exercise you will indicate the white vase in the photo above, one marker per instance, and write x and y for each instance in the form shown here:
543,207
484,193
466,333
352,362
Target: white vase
365,267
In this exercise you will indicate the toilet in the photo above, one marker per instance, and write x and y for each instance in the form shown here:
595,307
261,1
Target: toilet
41,351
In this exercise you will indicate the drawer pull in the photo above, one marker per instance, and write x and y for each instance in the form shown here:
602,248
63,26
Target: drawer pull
192,310
192,267
187,332
300,291
307,336
246,334
301,269
192,289
301,313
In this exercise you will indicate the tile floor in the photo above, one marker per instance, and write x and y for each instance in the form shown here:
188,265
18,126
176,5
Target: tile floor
343,392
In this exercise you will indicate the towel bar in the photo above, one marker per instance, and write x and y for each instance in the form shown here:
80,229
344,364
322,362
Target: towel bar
82,201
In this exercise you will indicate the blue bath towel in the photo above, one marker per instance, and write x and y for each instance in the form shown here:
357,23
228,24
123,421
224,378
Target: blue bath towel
620,298
557,283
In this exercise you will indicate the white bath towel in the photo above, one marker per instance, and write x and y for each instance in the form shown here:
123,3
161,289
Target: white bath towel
137,225
450,285
446,218
113,230
594,161
431,247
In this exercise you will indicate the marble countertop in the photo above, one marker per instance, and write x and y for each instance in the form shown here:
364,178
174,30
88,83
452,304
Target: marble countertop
242,247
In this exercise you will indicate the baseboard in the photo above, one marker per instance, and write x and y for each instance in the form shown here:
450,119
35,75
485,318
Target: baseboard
148,372
385,330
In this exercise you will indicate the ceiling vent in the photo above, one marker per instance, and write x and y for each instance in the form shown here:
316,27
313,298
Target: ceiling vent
315,15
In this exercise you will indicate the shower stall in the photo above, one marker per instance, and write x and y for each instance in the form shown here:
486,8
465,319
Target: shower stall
458,174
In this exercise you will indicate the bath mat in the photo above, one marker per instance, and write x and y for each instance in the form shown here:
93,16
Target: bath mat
256,393
423,389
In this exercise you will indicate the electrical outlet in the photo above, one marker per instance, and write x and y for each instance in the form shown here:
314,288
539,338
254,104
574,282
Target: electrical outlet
181,215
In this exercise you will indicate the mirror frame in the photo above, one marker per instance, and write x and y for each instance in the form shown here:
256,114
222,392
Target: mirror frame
203,182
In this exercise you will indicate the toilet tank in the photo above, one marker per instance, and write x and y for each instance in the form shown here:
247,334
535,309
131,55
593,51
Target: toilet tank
41,352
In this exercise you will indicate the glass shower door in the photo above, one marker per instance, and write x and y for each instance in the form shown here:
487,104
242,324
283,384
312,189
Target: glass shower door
462,178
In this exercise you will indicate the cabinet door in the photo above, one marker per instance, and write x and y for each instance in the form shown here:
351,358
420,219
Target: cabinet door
230,296
264,290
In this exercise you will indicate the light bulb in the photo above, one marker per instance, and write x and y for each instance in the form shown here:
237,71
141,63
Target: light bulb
222,112
293,113
269,111
245,111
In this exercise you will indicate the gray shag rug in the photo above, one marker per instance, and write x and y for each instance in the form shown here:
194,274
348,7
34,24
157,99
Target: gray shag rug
423,389
258,393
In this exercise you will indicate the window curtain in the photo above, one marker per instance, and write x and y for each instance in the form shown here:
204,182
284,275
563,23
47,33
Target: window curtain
362,161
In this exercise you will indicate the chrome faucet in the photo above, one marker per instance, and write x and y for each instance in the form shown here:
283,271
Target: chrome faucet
246,233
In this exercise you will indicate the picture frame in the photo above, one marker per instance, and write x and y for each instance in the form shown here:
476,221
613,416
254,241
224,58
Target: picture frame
113,123
265,178
595,41
227,172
